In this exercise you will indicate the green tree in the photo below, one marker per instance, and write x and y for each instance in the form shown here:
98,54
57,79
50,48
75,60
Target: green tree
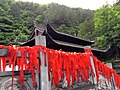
21,37
107,23
18,17
39,19
81,30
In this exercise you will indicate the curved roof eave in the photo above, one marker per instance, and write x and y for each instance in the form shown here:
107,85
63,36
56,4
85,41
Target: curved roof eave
67,38
71,45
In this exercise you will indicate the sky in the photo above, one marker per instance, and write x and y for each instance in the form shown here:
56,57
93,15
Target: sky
85,4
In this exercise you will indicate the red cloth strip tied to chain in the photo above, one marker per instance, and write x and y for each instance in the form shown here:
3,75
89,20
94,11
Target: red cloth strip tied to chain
28,61
23,61
107,72
10,58
68,64
61,65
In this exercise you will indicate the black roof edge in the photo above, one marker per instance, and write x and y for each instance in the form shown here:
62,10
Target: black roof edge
82,47
27,41
49,26
33,32
57,42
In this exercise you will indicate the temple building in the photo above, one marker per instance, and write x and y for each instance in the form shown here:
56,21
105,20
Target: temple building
57,40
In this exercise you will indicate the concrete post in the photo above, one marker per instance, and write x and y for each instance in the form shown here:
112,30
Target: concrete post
112,77
93,66
42,80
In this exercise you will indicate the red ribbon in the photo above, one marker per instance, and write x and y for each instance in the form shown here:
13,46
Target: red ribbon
75,66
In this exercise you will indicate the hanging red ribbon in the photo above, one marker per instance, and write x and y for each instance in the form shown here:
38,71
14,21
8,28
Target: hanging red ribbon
72,66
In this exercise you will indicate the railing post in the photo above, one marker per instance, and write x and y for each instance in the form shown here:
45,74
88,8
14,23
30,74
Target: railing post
94,78
112,77
113,82
42,79
87,48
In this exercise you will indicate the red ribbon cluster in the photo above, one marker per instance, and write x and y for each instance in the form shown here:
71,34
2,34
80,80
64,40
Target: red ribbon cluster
107,72
26,60
75,65
60,64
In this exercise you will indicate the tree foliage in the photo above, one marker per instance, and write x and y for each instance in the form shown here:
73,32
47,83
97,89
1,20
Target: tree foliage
17,20
107,26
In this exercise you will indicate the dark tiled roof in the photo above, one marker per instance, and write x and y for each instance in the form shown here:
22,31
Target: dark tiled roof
67,38
57,40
